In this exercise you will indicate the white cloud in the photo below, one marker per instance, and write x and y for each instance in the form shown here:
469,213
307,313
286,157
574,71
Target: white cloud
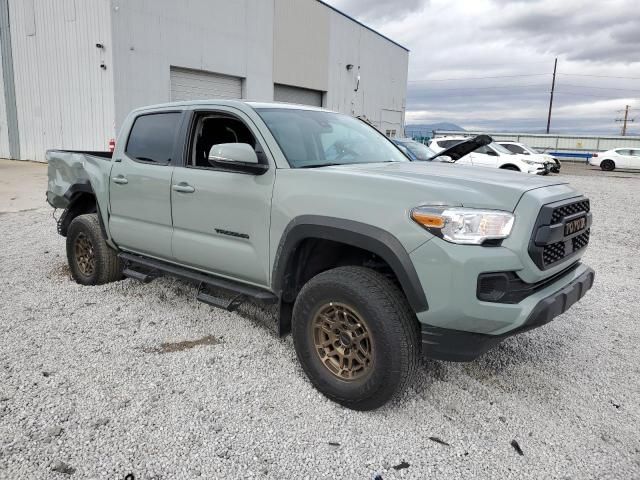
485,38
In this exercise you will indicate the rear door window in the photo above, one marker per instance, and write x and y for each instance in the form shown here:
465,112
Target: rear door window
153,137
514,148
449,143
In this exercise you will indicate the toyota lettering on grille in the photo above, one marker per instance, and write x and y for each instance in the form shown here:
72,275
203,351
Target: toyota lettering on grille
575,226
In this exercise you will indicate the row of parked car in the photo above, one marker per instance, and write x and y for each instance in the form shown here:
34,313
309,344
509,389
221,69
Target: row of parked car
509,155
506,155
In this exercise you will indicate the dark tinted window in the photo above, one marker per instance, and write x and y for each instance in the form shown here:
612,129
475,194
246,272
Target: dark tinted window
448,143
514,148
152,137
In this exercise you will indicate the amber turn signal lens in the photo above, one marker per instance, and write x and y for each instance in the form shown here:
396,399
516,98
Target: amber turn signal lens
428,220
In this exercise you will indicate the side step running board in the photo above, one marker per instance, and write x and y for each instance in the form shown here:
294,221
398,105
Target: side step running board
227,304
140,276
135,265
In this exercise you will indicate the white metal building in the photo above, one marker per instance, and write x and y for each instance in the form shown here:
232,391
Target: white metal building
73,69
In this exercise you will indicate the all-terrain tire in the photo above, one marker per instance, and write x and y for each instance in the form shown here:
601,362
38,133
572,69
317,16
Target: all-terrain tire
393,327
608,165
91,260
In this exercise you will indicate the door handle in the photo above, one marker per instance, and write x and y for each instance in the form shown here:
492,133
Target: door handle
120,180
183,188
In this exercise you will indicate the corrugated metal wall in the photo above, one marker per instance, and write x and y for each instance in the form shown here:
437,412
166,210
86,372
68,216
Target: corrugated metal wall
4,133
64,98
302,96
198,85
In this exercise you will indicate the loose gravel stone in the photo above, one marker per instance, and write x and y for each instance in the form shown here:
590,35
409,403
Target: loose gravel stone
241,407
62,467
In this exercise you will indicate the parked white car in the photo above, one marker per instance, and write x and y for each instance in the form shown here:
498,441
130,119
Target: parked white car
552,163
492,155
625,158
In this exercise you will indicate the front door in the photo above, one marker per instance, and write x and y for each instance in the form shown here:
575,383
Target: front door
484,157
140,185
221,218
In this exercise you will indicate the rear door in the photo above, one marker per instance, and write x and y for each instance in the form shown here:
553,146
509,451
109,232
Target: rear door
221,218
140,185
625,158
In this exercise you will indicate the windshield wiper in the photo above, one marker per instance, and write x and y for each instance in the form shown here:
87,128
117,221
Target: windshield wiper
323,165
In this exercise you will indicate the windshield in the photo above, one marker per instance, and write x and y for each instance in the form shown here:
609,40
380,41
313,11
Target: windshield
311,138
422,152
529,149
500,149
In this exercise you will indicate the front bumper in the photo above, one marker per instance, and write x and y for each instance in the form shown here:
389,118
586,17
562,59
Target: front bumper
460,346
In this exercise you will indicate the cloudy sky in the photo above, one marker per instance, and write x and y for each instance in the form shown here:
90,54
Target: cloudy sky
487,64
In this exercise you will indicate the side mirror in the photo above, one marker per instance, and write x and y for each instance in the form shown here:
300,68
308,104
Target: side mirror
444,158
239,157
492,153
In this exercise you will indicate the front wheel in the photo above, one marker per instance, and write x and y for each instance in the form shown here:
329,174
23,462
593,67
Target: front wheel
510,167
355,336
91,260
608,165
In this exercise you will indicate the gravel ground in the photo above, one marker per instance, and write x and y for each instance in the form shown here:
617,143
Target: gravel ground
94,381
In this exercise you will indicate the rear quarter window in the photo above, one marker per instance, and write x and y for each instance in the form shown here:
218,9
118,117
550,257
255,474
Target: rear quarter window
153,137
449,143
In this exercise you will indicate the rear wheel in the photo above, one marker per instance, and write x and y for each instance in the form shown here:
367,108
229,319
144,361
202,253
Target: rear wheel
91,260
608,165
355,336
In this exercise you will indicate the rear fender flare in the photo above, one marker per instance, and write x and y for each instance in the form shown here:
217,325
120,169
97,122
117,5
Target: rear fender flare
75,195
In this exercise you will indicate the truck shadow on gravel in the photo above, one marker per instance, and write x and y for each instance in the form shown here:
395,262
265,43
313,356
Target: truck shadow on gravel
60,271
531,348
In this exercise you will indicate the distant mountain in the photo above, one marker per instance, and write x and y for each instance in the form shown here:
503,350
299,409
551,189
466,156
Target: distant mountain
426,128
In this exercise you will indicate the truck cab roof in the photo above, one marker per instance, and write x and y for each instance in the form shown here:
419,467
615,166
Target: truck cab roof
240,104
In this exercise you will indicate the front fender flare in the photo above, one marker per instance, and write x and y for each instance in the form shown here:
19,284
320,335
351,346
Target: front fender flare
357,234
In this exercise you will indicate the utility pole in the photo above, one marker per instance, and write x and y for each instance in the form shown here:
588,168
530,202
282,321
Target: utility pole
625,120
553,86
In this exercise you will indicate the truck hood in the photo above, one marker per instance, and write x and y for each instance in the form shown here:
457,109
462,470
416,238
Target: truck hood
450,184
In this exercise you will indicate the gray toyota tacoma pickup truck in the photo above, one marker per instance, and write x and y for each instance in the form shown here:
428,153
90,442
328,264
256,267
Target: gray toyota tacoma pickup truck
372,259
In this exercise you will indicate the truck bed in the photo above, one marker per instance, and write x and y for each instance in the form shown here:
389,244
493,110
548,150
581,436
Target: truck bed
71,168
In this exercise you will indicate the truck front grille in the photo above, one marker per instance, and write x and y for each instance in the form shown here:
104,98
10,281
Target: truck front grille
553,239
560,212
553,253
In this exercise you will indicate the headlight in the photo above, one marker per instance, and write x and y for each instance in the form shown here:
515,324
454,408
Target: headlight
531,162
464,225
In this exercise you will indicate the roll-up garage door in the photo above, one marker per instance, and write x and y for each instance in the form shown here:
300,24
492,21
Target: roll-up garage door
303,96
200,85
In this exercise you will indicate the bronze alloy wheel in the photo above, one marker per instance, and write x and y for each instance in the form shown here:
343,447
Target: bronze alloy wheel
342,341
85,257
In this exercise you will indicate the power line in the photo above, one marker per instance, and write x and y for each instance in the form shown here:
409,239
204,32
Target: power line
598,76
625,120
477,78
601,88
561,92
489,88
